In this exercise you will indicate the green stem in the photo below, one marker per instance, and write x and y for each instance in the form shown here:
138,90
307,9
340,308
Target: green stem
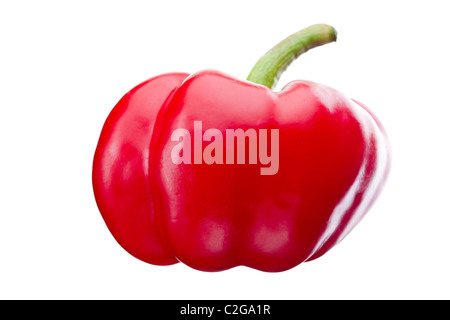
269,68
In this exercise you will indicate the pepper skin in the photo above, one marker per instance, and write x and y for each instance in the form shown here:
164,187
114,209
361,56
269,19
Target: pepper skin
333,160
120,170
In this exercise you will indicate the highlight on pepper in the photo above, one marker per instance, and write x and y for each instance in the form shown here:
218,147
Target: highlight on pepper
217,172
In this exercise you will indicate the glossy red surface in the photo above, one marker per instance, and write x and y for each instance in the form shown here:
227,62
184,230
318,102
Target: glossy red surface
120,170
333,158
333,161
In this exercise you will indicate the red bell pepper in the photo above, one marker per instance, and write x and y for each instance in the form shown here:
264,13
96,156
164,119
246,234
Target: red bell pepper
216,172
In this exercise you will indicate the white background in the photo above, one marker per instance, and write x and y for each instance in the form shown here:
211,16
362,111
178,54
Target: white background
64,65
